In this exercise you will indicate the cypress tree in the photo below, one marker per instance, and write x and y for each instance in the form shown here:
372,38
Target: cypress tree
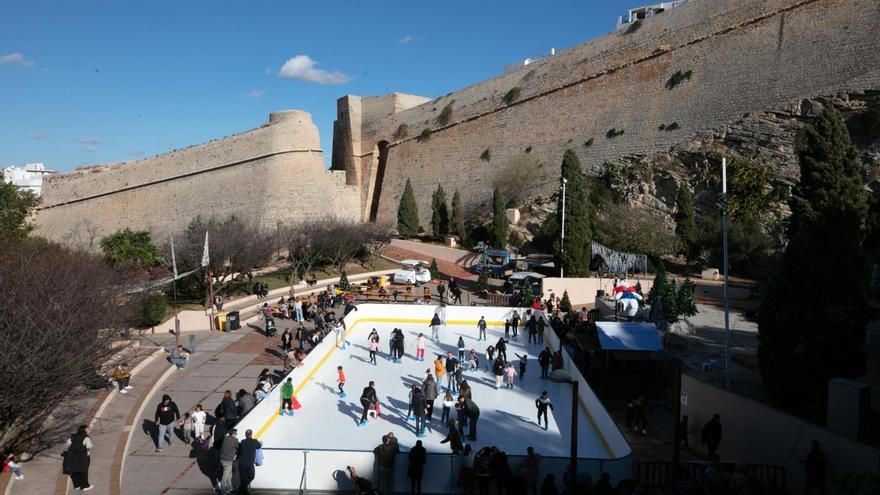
578,232
500,225
812,322
408,212
483,280
439,213
664,292
457,220
685,223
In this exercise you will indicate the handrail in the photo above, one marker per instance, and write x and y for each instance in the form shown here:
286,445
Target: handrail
438,454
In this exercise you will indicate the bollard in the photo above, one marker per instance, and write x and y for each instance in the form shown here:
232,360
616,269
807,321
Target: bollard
192,344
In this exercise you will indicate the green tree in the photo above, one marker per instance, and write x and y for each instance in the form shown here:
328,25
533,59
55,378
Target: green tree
685,223
483,280
685,304
408,212
457,220
808,335
575,260
664,291
153,311
440,213
130,246
343,282
434,269
500,225
565,304
15,207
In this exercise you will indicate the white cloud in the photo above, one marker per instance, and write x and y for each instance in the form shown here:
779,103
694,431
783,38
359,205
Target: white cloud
15,59
91,148
256,93
302,67
37,137
137,153
90,145
406,39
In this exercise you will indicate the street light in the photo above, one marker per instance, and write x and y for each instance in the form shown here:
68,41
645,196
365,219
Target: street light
724,226
562,233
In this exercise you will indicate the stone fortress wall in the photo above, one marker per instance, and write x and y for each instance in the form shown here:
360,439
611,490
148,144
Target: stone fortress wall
272,173
745,56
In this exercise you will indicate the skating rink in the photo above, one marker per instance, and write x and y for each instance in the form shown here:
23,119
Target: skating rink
326,425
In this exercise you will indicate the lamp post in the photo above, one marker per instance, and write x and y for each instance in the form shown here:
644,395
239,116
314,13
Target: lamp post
562,232
724,227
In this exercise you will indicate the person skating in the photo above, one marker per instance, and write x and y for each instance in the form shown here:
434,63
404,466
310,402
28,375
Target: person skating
429,387
419,410
544,359
421,343
287,397
459,377
543,403
532,326
417,457
409,410
374,348
453,438
514,323
464,390
481,325
435,327
448,404
167,415
340,380
507,328
498,370
439,368
490,357
473,361
368,401
510,374
461,348
473,414
523,360
501,348
451,366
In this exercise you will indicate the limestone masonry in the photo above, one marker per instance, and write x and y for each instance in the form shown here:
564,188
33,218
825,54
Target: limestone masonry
738,58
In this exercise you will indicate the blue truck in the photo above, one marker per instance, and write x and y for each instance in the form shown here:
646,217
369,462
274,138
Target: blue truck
498,262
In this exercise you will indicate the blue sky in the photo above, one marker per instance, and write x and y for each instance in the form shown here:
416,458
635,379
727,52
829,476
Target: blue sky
86,82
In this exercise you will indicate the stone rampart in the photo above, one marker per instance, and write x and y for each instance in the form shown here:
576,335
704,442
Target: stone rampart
744,56
270,174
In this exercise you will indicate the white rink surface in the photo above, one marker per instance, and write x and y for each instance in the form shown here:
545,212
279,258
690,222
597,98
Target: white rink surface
508,418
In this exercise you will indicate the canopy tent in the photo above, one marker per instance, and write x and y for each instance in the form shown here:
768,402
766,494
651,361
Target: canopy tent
620,262
622,336
524,275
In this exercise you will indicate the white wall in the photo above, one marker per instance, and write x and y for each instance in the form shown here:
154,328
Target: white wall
283,468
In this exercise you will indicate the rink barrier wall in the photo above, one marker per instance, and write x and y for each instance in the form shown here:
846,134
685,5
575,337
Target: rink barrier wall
280,463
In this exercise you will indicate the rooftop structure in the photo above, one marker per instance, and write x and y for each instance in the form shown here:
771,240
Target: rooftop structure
640,13
28,177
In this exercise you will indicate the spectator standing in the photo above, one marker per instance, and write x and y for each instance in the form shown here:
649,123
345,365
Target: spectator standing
122,377
429,387
501,470
467,478
247,460
417,458
711,435
481,326
77,459
228,452
246,402
483,469
530,469
816,466
228,408
167,415
498,370
386,453
548,487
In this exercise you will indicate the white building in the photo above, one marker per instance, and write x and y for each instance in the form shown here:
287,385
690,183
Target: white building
28,177
640,13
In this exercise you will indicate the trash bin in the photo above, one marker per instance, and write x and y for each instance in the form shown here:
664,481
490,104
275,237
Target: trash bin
220,320
233,322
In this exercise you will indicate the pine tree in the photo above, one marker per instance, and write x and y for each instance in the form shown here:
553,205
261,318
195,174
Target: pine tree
807,334
408,212
500,225
343,282
575,260
565,304
456,223
435,270
684,301
685,223
440,213
483,280
664,292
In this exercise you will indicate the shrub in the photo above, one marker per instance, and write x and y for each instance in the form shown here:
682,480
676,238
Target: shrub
613,133
512,95
153,311
671,127
483,280
402,132
528,149
425,135
588,143
486,155
678,78
661,127
445,116
634,27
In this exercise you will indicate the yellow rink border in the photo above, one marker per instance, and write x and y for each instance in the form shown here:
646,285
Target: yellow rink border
472,323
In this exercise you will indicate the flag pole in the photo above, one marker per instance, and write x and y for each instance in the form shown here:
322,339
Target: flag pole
206,262
174,290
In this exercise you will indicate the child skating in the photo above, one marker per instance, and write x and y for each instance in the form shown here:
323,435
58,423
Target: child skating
374,348
421,343
287,397
510,374
461,348
522,364
341,381
543,403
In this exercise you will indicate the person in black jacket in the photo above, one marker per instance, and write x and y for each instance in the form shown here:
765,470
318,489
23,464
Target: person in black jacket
247,458
167,415
77,459
416,468
544,359
711,435
501,348
501,470
230,411
368,401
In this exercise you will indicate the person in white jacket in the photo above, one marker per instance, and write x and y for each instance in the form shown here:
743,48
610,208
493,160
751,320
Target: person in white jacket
199,417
